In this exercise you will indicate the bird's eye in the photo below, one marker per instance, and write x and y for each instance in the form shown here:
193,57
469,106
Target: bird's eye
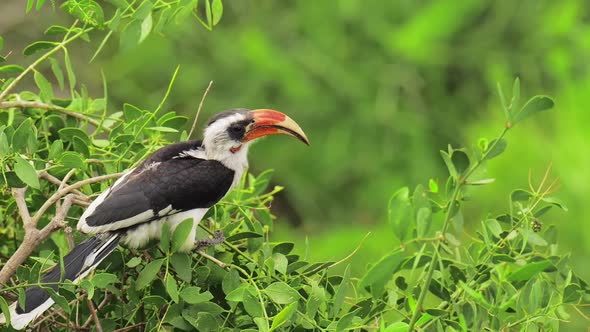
236,132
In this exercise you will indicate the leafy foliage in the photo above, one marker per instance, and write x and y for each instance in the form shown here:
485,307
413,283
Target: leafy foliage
508,275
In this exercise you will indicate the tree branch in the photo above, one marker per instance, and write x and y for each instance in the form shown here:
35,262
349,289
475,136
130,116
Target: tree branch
43,106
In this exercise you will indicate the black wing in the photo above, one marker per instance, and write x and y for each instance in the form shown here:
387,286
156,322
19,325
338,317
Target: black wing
182,184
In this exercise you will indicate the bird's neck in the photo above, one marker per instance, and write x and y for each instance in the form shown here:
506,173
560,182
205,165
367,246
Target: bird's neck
236,160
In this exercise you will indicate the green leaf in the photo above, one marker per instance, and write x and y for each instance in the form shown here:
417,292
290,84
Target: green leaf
30,4
26,172
4,147
494,227
143,11
528,271
181,233
1,43
341,293
400,213
68,134
45,88
217,11
572,293
243,235
11,69
283,316
423,221
449,163
380,273
433,186
346,320
208,14
520,195
133,262
146,28
397,327
534,105
475,295
281,293
172,288
181,263
192,295
460,161
59,300
39,4
503,102
25,137
284,248
131,112
555,201
252,302
148,274
56,149
58,73
262,324
56,30
231,281
70,71
163,129
131,35
71,159
102,280
497,148
4,309
38,46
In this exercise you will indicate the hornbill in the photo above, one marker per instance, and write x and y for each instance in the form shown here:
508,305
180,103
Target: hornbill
179,181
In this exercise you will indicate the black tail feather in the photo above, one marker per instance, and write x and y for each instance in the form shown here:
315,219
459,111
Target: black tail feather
75,265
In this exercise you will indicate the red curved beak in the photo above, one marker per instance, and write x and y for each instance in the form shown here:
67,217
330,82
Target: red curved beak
271,122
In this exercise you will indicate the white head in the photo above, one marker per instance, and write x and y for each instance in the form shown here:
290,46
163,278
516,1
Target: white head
229,134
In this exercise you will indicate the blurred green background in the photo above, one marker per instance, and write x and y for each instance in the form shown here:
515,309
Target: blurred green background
379,87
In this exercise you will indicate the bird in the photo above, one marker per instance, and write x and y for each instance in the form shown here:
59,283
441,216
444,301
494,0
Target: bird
178,181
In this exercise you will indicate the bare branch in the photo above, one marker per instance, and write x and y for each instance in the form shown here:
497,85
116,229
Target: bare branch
60,193
59,109
19,197
60,183
97,325
199,109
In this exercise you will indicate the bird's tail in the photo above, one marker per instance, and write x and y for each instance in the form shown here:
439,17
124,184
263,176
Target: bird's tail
84,258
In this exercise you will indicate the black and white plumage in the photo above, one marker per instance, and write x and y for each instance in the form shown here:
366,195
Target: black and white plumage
176,182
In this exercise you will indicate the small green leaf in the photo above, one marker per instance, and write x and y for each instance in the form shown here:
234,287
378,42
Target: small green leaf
284,248
380,273
181,233
283,316
534,105
26,172
45,88
572,293
56,30
262,324
71,159
433,186
148,274
4,147
280,262
281,293
163,129
555,201
515,102
58,73
528,271
11,69
143,10
1,43
133,262
38,46
101,143
397,327
146,27
243,235
131,35
475,295
30,4
172,288
102,280
68,134
423,221
231,281
131,112
520,195
192,295
503,102
39,4
59,300
460,161
217,12
4,309
341,293
400,213
181,263
494,227
70,71
449,163
496,147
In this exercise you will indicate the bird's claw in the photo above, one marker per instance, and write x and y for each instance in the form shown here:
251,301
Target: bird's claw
218,238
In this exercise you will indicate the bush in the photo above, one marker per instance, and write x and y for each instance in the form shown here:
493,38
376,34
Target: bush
56,154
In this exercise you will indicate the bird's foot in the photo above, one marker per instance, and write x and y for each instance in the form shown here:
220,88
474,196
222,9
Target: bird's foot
218,238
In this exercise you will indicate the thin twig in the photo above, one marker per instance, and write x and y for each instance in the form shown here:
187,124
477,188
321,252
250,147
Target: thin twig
213,259
129,328
199,109
60,193
60,183
101,305
43,106
94,316
352,253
